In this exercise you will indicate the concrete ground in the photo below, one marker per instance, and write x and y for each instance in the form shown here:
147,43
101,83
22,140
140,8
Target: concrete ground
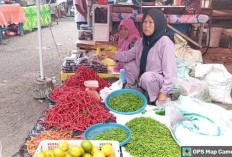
19,62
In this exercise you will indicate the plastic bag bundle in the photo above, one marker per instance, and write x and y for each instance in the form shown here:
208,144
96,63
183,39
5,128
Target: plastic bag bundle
193,88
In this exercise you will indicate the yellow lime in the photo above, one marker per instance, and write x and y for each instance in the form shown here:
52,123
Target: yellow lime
67,154
63,145
94,150
58,152
49,153
76,151
111,155
107,149
99,154
87,155
86,145
40,154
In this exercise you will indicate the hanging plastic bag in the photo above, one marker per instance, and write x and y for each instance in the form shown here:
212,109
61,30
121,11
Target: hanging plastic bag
184,51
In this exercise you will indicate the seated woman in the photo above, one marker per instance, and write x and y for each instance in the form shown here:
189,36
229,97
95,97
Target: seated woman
128,34
153,57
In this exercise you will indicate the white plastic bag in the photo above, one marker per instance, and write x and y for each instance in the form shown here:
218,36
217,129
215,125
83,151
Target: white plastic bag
219,81
106,91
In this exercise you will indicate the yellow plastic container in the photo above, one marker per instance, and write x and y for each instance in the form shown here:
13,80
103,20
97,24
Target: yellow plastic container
65,76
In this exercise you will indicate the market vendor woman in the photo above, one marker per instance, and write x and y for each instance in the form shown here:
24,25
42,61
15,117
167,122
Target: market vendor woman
154,69
128,35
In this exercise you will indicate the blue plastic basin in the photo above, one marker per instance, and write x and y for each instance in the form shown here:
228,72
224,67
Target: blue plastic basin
126,91
96,129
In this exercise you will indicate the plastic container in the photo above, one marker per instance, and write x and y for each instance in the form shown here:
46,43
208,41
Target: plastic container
91,84
52,144
122,75
126,91
96,129
215,36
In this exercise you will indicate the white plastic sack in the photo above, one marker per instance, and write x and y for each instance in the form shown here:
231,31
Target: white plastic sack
219,81
184,51
207,124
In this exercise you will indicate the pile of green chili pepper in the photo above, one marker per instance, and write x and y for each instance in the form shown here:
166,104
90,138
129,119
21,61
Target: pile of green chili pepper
114,134
150,138
125,102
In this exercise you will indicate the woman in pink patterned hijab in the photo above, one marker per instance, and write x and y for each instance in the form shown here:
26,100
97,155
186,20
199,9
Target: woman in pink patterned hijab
128,34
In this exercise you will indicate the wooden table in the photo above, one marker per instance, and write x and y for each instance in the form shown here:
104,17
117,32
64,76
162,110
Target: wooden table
222,18
222,14
93,45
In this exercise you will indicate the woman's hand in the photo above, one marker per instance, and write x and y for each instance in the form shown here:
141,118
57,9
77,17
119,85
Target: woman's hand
104,55
101,56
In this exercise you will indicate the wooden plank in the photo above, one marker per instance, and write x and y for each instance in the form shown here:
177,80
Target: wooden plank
184,36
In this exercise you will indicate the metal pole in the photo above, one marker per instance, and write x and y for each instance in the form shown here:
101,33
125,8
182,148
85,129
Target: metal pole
40,39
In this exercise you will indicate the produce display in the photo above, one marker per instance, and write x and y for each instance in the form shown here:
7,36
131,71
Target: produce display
125,102
70,65
82,74
150,138
85,149
94,64
75,108
78,111
33,143
114,134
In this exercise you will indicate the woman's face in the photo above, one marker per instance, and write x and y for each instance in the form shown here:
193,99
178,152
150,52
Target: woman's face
124,32
148,26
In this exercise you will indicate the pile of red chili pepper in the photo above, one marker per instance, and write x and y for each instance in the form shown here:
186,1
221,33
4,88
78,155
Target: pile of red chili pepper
58,94
77,111
33,143
83,74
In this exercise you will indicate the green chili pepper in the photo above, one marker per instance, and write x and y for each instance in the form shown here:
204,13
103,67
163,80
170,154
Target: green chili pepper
114,134
126,102
150,138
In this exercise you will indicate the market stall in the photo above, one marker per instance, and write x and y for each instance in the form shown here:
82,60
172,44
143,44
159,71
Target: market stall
75,115
122,122
31,20
11,13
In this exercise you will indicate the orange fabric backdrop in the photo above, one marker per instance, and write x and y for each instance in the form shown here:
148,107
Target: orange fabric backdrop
11,13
